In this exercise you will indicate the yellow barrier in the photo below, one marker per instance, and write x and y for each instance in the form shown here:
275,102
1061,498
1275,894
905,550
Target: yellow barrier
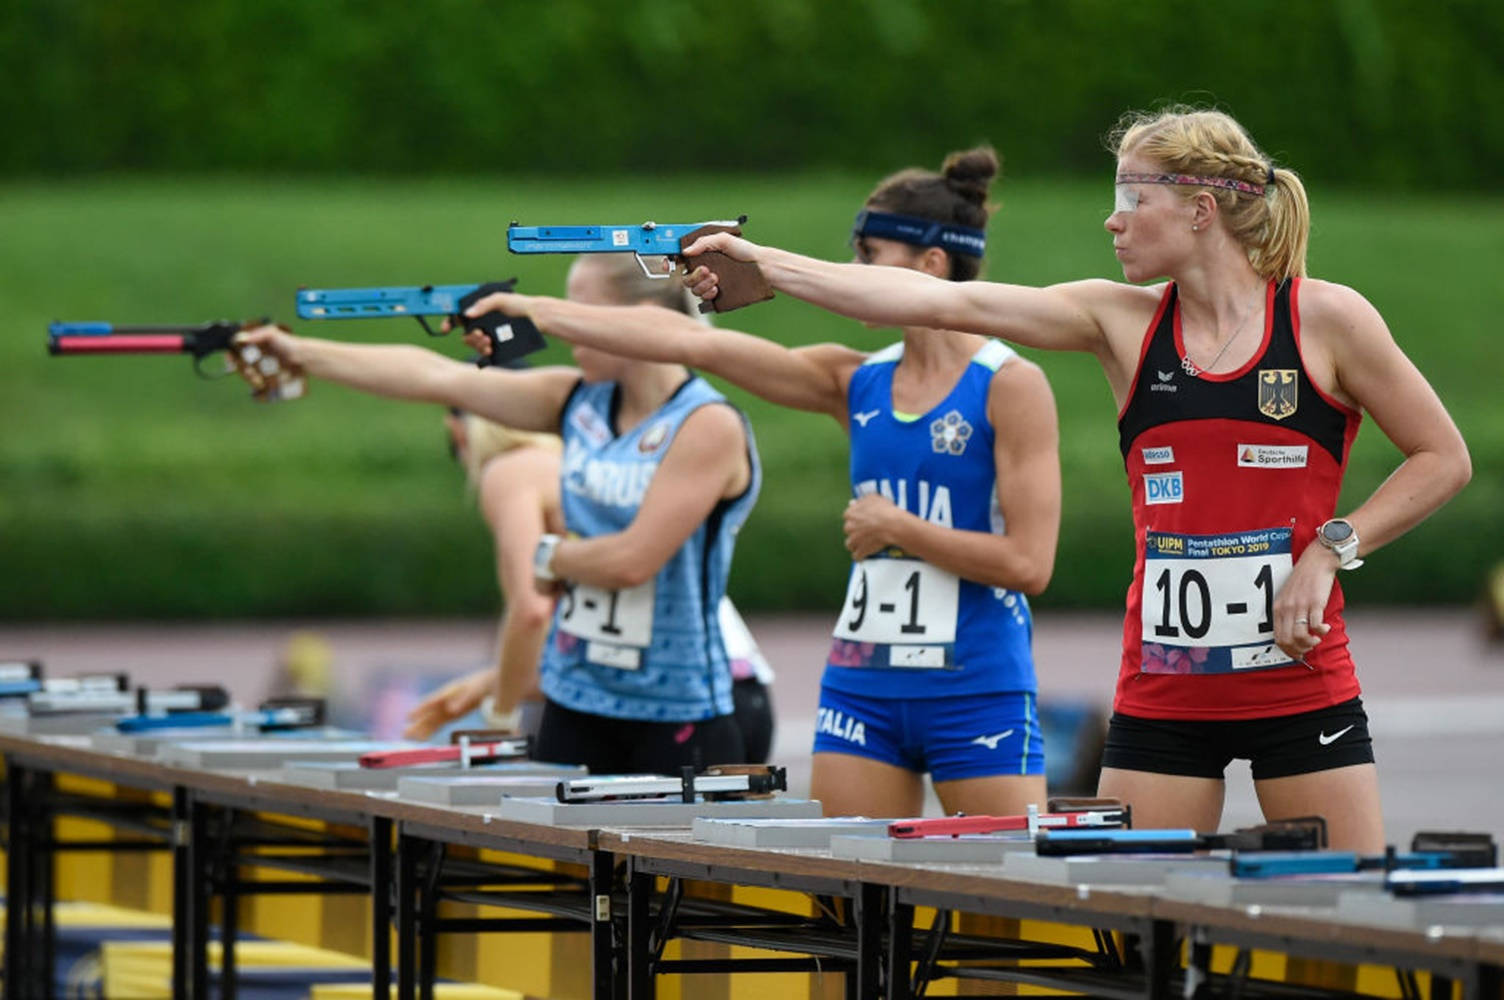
442,991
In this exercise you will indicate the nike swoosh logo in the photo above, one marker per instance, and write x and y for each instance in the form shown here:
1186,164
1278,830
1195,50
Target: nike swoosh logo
991,742
1324,739
862,418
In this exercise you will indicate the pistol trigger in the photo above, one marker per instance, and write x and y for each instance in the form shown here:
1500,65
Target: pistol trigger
648,272
198,366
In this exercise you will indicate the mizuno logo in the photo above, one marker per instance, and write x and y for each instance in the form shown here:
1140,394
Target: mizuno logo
862,418
991,742
1324,739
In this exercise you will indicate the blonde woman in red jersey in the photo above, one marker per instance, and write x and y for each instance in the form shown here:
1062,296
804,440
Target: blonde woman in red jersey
1239,385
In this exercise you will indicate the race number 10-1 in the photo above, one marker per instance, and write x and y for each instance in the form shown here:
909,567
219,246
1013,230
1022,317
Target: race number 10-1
1212,597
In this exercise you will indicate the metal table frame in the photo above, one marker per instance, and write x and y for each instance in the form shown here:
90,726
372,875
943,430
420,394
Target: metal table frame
397,856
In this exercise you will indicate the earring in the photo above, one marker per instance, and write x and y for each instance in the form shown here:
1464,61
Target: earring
1195,228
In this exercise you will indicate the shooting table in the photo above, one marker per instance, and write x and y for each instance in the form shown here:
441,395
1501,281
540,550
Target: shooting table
633,890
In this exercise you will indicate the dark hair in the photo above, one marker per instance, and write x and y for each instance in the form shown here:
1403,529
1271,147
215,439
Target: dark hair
957,194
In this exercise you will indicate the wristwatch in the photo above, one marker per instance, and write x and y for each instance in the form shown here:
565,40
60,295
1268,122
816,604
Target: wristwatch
1339,536
544,554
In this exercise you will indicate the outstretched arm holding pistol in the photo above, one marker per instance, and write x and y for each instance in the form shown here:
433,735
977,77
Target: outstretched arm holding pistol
529,400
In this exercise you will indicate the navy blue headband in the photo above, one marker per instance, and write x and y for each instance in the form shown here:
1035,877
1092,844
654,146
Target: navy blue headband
920,232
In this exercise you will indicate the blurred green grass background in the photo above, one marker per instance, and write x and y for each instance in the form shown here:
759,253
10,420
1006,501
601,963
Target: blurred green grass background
131,489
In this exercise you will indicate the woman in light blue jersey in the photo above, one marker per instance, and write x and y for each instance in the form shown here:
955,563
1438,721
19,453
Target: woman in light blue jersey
515,478
952,522
659,472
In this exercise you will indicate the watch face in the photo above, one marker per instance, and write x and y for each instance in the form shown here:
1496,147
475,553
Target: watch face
1336,532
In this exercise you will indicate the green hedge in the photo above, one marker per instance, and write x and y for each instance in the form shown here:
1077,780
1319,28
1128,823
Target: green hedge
1386,92
130,489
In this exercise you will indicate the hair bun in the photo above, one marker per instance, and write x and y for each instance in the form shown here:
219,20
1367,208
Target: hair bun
970,172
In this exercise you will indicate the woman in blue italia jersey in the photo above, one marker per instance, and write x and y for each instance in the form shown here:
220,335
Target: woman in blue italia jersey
952,520
659,472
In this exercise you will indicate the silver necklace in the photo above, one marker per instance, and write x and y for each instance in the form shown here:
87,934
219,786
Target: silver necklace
1190,367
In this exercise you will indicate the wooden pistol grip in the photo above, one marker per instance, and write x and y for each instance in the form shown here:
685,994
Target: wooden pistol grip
1070,804
481,735
741,282
270,380
718,770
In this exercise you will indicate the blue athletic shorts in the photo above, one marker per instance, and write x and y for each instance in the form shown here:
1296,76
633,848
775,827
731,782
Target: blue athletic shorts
964,736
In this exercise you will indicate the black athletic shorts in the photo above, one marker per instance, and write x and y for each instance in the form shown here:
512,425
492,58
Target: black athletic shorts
627,746
754,716
1277,747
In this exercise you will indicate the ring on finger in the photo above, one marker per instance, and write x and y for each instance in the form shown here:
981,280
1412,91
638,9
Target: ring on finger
1302,621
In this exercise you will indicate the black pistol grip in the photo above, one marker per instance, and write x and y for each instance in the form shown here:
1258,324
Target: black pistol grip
511,337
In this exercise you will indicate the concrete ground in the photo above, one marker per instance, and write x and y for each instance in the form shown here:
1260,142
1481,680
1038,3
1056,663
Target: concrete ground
1433,688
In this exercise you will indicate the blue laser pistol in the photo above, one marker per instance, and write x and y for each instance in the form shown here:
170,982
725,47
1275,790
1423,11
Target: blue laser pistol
511,337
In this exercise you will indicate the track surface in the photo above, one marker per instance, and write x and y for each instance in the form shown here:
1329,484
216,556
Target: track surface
1433,688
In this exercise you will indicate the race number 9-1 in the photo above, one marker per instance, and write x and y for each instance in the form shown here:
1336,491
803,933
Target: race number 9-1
898,601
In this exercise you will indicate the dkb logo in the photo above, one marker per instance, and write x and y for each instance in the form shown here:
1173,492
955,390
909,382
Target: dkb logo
1163,487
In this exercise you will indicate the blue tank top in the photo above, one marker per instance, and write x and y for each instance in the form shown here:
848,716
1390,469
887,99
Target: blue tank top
654,652
909,629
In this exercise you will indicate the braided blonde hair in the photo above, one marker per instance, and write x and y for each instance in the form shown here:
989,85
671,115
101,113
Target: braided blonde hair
1272,229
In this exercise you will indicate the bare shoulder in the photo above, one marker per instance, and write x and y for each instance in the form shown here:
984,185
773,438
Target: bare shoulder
710,448
1017,374
1331,309
713,425
1020,390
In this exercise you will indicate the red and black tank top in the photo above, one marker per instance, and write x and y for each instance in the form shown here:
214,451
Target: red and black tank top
1230,475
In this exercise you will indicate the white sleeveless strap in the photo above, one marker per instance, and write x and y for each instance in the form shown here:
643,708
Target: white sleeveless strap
994,354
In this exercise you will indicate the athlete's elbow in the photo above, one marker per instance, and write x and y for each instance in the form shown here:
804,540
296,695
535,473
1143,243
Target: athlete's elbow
625,573
1033,576
531,613
1036,582
1462,469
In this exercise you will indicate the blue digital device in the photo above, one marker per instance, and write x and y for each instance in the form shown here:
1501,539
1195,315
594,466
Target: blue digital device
1268,864
1272,864
1432,883
1118,841
284,717
19,678
177,720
